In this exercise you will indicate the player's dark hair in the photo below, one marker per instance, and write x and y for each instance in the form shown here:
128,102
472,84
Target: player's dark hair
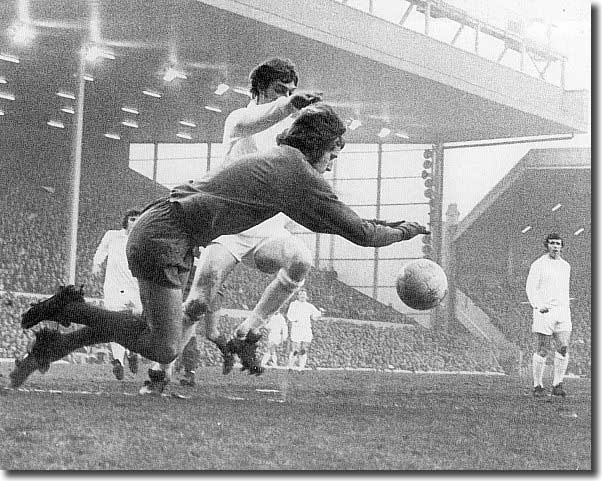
553,236
317,129
272,69
127,215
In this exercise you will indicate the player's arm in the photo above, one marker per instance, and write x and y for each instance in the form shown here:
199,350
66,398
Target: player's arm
101,253
248,122
313,204
567,285
291,314
532,289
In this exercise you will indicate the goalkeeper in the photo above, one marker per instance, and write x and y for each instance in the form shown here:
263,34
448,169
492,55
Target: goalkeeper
288,179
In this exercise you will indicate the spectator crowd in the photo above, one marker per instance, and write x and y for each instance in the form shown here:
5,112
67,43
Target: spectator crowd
33,230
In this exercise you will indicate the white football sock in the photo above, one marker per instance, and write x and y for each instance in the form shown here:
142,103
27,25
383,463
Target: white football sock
118,351
291,360
302,361
276,293
265,359
539,364
560,364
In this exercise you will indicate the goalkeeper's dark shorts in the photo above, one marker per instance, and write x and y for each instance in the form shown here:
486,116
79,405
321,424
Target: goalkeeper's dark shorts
159,248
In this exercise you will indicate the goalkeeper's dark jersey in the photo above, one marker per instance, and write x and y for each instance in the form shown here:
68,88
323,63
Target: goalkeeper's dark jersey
258,186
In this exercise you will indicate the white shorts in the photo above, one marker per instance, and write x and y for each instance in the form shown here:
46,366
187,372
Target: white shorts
275,341
122,301
244,247
301,333
555,320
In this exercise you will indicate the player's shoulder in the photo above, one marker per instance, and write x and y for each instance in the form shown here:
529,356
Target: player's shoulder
236,113
284,157
241,111
541,259
113,233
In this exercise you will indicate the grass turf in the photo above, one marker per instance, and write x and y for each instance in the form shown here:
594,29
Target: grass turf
315,420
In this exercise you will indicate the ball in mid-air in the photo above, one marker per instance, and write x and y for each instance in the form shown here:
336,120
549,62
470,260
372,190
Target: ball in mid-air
422,284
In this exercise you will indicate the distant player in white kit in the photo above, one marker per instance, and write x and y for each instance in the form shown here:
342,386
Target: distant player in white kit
301,313
548,292
120,288
277,334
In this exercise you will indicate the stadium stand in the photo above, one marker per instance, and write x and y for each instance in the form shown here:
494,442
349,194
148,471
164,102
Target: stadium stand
32,261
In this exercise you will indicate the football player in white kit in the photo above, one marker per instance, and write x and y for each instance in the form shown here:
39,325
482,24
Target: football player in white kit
277,334
269,246
301,313
548,292
120,288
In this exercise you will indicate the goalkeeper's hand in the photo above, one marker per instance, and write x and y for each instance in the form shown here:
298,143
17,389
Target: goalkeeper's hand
412,229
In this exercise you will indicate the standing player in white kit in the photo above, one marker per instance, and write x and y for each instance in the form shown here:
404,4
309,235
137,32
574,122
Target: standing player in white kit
301,313
120,288
269,246
548,292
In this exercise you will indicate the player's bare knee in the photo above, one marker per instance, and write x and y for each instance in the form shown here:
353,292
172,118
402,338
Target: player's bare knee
195,308
166,354
542,351
299,266
170,356
208,275
285,280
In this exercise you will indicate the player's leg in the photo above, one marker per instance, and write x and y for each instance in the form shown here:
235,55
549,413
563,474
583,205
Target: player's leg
68,306
118,353
215,264
114,301
50,346
303,355
561,362
155,335
273,354
190,360
135,305
539,362
267,355
291,260
293,355
165,307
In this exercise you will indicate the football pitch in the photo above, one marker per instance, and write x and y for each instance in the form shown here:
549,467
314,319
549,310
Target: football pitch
78,417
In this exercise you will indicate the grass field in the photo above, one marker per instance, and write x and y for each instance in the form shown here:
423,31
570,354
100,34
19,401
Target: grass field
78,417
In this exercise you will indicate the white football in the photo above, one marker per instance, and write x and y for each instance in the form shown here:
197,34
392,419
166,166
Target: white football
421,284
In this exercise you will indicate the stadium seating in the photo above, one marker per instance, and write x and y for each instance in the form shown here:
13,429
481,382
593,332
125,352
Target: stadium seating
32,260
